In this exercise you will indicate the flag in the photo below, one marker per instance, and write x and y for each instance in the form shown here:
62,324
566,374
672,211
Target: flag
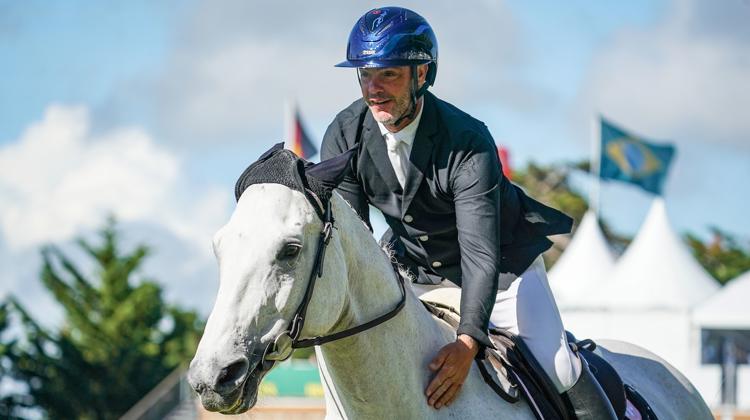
504,155
628,158
298,140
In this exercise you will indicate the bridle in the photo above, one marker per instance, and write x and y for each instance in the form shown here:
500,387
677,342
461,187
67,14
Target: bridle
283,345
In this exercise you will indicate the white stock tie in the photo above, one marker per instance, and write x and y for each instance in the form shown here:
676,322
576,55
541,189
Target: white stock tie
398,158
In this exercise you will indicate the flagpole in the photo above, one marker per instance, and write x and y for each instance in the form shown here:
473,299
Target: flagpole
595,165
289,106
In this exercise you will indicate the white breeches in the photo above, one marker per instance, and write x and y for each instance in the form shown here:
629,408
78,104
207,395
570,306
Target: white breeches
528,309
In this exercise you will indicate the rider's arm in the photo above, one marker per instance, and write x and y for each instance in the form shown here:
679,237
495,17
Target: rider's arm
477,204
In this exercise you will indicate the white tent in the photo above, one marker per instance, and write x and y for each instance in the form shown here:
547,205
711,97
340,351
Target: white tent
729,308
657,271
583,267
648,300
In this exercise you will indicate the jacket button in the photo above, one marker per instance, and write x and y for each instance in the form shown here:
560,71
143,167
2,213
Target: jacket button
408,218
424,238
437,264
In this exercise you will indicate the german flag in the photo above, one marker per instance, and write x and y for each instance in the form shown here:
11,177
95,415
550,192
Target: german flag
299,141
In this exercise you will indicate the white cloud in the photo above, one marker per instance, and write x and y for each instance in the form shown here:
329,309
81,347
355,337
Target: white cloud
684,78
58,180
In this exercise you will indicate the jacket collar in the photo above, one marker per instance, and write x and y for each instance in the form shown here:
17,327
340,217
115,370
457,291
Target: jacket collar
421,151
376,147
406,134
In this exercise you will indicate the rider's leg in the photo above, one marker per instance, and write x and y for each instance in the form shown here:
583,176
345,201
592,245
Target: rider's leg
587,399
528,309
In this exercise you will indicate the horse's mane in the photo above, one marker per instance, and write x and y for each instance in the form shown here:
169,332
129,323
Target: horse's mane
386,248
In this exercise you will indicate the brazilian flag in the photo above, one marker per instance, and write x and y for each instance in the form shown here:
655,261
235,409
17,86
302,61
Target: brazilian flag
625,157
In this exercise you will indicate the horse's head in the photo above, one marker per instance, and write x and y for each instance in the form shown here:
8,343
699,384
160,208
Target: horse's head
266,253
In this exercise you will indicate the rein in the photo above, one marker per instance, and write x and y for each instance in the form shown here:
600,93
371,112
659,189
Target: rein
283,345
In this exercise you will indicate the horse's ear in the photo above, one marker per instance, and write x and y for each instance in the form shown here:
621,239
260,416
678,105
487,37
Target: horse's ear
243,181
331,172
269,152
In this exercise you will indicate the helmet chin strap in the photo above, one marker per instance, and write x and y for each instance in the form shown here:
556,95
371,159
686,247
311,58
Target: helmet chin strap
415,95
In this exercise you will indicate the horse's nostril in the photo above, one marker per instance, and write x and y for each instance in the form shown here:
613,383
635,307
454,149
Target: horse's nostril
232,376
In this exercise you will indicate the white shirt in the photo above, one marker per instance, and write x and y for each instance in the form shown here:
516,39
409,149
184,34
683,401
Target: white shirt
399,146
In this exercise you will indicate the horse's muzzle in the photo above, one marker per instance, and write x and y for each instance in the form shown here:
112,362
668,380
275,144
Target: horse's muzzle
228,387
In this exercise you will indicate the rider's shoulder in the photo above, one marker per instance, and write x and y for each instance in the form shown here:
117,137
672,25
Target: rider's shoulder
352,113
342,130
460,125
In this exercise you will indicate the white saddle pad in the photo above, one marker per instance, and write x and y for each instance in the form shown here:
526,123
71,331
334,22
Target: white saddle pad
447,294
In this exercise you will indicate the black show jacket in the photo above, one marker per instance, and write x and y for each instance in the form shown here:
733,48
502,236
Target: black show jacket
457,217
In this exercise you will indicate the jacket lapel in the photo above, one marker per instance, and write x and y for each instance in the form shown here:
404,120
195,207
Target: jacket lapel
421,151
376,147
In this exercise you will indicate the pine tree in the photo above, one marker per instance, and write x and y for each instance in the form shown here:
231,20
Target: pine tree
9,404
118,338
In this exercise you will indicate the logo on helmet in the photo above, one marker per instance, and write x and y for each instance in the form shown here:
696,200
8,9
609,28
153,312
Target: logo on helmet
368,52
377,22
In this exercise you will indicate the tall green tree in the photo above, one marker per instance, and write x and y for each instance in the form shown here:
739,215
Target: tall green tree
118,339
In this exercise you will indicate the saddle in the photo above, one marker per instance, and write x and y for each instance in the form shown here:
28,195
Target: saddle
513,373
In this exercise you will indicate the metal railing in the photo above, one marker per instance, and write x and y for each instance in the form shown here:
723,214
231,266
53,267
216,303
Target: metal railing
171,394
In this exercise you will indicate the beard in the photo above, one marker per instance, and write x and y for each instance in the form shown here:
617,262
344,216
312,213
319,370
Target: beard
399,106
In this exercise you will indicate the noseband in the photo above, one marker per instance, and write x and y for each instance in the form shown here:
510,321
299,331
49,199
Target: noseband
283,345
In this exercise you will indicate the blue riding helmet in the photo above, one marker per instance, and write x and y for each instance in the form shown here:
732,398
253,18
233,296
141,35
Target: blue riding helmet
392,36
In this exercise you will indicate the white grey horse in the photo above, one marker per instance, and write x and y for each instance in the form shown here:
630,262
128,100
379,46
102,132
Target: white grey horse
266,253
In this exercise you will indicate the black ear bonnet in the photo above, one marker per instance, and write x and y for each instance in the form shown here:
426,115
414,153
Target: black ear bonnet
281,166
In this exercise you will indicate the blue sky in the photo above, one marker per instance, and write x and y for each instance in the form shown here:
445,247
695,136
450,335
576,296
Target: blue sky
151,109
75,52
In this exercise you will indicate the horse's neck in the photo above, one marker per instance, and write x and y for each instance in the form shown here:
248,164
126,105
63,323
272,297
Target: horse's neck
372,285
383,372
386,360
385,368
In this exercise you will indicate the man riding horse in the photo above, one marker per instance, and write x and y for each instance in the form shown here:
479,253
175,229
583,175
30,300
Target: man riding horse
434,173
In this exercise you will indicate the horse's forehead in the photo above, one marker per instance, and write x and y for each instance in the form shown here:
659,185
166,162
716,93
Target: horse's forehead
274,207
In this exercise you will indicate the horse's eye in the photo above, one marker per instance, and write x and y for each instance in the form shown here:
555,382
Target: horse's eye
290,251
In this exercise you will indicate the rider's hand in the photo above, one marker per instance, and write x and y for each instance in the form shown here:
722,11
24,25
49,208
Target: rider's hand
452,365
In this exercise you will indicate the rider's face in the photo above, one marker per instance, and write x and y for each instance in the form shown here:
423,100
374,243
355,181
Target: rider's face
386,91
